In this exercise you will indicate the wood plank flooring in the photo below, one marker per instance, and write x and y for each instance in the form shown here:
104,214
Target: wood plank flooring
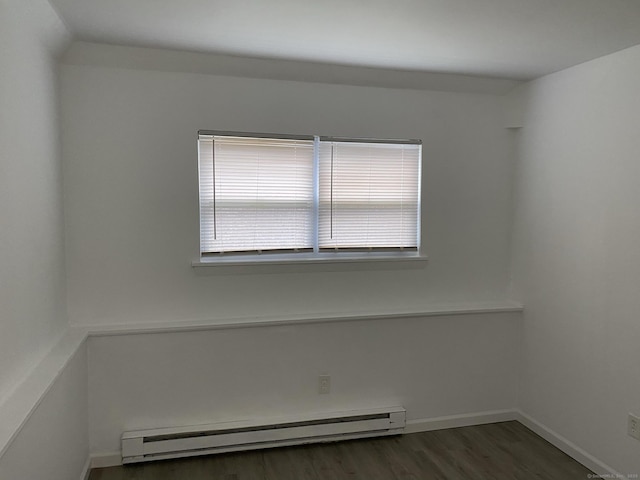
496,451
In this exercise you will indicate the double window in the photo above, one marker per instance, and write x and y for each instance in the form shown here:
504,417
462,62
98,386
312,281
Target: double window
309,195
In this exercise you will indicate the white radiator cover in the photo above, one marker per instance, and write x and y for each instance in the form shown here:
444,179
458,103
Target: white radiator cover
165,443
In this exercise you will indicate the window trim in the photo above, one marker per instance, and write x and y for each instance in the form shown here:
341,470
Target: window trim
317,256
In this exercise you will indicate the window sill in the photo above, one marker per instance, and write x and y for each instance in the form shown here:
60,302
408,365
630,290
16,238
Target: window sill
307,259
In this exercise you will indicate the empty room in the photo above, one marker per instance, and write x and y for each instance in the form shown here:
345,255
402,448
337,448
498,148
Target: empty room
285,239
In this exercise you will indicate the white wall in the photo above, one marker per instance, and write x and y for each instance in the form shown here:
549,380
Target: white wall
53,444
130,172
433,366
131,208
50,437
576,260
32,280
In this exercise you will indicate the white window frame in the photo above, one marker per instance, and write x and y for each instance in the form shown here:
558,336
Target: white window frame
316,257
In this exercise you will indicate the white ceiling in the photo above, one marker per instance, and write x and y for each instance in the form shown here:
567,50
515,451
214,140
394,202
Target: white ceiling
518,39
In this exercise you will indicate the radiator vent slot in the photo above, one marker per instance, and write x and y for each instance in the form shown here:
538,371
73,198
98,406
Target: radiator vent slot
164,443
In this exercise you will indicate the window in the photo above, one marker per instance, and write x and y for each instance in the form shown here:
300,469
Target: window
270,194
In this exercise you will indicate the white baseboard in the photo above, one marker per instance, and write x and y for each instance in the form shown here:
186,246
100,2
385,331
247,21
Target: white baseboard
568,447
103,460
114,459
86,470
463,420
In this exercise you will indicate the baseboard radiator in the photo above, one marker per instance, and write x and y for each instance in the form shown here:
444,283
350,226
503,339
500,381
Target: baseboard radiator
165,443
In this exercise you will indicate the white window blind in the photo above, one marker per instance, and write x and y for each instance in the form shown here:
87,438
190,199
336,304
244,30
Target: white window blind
256,194
281,194
369,195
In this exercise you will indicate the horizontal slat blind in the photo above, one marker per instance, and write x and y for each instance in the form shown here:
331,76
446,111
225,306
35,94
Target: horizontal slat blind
256,194
369,195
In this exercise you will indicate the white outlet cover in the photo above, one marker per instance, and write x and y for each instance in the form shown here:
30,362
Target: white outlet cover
324,384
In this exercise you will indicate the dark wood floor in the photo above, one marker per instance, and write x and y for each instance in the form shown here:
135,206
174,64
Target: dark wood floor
497,451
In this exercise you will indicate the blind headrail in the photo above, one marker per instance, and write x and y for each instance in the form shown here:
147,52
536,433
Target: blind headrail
389,141
221,133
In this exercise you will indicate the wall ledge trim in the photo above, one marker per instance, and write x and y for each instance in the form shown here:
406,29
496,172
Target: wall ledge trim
27,396
506,306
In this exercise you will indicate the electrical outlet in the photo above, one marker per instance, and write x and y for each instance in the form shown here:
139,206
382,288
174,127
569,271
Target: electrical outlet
324,384
633,427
